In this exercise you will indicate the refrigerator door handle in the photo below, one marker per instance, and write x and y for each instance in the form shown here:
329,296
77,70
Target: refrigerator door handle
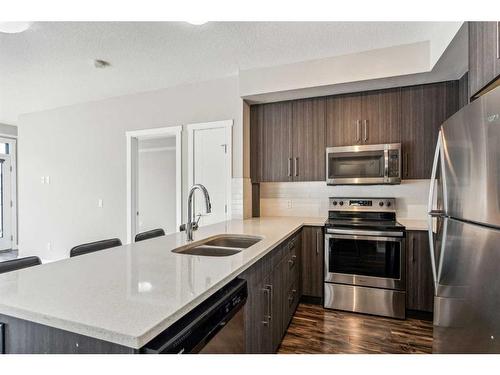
433,174
432,253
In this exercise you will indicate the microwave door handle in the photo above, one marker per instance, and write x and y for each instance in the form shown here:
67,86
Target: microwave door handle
358,131
386,164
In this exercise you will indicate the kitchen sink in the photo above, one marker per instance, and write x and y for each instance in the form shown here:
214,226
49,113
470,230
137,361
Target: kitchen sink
219,246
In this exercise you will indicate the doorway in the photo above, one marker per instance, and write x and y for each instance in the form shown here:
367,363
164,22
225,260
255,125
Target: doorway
8,189
154,180
209,164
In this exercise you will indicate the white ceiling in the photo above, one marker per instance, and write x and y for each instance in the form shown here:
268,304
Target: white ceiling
51,64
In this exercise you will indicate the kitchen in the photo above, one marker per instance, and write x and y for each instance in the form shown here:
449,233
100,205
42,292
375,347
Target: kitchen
349,220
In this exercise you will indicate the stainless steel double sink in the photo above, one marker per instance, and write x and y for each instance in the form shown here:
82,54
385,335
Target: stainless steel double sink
222,245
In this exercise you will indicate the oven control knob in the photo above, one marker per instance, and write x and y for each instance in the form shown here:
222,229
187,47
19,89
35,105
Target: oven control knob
388,204
380,203
341,203
334,203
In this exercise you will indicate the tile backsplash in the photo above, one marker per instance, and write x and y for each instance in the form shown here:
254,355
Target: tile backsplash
311,198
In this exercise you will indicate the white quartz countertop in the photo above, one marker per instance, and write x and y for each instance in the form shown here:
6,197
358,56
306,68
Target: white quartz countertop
413,224
129,294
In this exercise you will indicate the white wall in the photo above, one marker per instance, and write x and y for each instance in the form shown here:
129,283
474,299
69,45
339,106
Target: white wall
157,185
83,150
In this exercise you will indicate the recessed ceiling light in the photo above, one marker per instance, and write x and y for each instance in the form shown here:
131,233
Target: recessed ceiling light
14,27
197,22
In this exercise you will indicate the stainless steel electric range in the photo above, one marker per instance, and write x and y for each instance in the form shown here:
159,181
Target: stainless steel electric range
365,257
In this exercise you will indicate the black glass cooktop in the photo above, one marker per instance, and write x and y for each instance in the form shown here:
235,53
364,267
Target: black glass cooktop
364,220
365,224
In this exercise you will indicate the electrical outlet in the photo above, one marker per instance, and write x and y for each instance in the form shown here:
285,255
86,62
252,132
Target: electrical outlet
99,203
42,179
49,246
289,203
47,180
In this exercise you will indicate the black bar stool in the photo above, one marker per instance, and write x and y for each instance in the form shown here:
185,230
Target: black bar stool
94,246
149,234
19,263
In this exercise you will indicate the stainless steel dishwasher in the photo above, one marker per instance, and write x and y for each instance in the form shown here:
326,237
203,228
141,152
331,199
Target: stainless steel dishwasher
216,326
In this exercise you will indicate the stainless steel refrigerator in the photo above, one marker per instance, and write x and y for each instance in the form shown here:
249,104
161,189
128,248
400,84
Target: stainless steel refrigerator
464,229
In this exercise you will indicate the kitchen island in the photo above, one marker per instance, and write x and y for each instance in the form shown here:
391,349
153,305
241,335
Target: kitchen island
121,298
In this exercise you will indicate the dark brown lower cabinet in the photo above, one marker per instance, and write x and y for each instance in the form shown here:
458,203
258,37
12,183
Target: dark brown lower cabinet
419,283
273,296
312,262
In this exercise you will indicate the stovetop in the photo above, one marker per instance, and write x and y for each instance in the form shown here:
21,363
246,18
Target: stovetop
363,213
387,225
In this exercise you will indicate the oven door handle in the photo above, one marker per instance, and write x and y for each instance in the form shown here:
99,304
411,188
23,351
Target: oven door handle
371,238
364,232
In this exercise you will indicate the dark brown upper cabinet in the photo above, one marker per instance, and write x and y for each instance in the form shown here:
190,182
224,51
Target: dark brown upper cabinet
484,55
372,117
271,142
343,120
424,109
287,141
308,138
381,121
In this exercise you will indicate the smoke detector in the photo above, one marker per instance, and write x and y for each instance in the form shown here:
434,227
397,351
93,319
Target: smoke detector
101,64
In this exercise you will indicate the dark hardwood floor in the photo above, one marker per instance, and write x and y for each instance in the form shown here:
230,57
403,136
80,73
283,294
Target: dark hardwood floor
316,330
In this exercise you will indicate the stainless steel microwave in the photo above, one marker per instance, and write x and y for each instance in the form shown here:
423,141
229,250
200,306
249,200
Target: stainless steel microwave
364,164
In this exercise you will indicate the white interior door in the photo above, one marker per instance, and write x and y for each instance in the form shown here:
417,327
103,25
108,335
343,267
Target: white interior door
212,168
5,202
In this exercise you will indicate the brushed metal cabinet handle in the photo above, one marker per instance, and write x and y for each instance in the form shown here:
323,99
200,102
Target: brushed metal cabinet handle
289,167
270,302
358,135
365,129
267,291
296,167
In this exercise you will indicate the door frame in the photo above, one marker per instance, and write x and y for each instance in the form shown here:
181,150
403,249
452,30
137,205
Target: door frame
226,124
12,141
132,138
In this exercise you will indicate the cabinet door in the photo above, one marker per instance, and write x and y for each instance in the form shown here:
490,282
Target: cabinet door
484,54
256,146
419,284
381,117
275,142
424,109
343,120
312,261
309,131
258,309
